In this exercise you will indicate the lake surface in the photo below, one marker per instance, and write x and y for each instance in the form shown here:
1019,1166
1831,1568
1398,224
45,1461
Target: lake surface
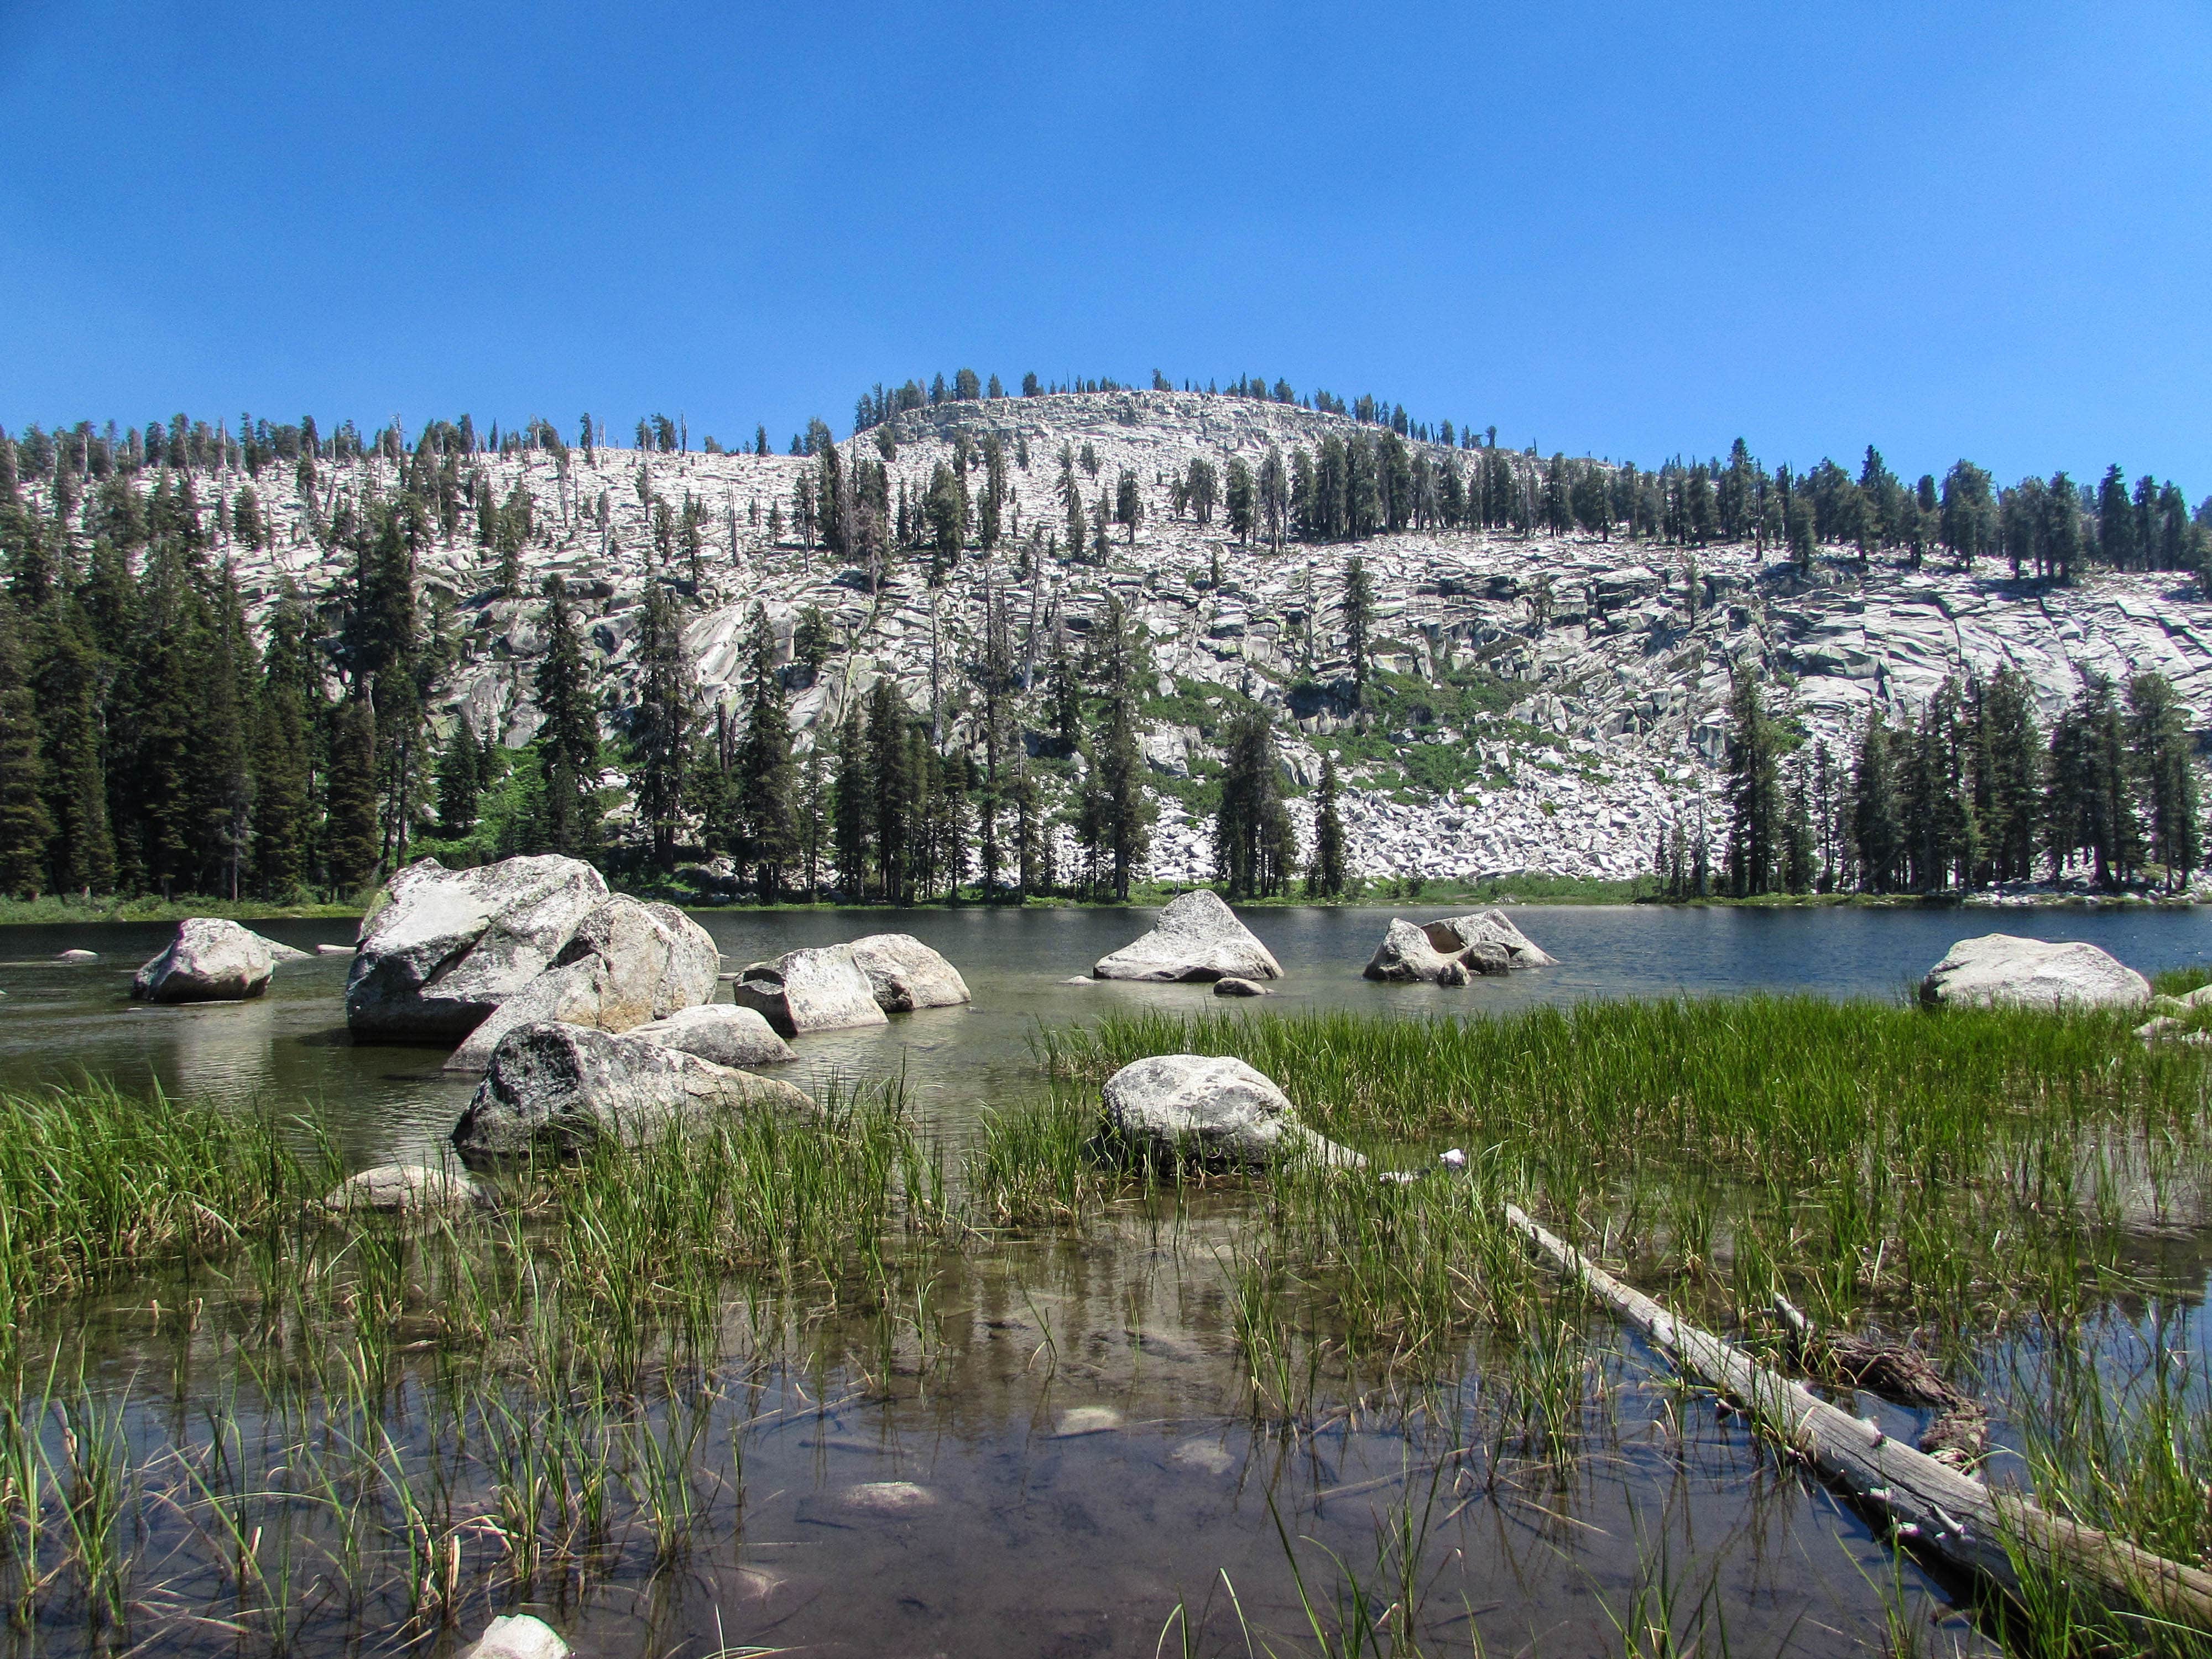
290,1047
1057,1440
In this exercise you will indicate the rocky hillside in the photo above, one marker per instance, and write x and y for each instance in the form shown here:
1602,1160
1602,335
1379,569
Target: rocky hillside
1555,704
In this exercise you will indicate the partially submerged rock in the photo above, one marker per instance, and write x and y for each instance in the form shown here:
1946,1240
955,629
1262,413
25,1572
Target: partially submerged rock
556,1088
719,1032
1453,951
518,1636
1998,969
209,960
819,989
1198,938
1491,932
441,948
77,955
1234,986
904,974
403,1189
1213,1110
628,964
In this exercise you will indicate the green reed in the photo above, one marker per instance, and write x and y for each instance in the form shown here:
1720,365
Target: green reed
94,1182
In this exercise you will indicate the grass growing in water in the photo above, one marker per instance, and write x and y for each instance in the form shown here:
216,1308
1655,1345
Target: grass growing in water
94,1182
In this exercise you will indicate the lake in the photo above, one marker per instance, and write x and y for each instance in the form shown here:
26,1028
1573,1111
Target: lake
1058,1442
291,1046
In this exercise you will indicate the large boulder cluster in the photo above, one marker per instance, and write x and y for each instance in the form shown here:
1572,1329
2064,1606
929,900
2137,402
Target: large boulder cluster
838,987
1453,951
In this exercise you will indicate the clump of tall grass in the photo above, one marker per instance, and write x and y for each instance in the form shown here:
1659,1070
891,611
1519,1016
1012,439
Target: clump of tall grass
1046,1161
95,1182
1862,1153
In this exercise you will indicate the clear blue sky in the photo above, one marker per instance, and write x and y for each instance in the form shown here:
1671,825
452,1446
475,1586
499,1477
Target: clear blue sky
1625,229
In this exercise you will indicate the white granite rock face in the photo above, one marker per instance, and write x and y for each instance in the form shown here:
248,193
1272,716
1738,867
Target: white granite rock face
820,989
2032,973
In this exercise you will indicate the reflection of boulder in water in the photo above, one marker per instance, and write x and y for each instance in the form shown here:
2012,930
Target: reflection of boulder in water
225,1050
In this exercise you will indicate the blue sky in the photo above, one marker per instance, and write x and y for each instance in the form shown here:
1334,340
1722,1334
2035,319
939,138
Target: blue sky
1627,230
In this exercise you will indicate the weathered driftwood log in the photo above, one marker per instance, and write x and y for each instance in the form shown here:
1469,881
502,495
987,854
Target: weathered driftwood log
1936,1506
1957,1435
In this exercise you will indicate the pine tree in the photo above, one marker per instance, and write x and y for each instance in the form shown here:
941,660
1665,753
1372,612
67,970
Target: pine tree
459,785
1325,877
1358,607
81,854
1251,825
1754,790
568,741
855,807
768,828
283,763
663,727
350,840
1876,825
25,825
2159,754
893,779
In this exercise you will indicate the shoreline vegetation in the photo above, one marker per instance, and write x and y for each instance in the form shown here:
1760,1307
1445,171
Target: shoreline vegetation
2009,1192
1379,894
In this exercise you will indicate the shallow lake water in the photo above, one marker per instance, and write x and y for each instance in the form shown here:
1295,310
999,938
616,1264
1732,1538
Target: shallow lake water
1058,1443
290,1047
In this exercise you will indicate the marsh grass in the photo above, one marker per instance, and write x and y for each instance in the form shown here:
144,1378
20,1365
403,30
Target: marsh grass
1873,1159
398,1423
95,1182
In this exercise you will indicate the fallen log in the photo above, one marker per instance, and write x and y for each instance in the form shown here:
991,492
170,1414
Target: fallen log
1929,1504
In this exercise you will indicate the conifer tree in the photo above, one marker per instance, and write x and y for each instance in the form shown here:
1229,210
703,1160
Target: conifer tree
80,857
893,778
1325,873
25,825
1755,793
283,830
663,725
350,838
1876,825
1255,849
568,741
1358,611
458,786
856,806
2160,753
768,826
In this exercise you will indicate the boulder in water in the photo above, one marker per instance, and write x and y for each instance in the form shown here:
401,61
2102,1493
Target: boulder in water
403,1189
1998,969
1213,1110
820,989
1491,933
1453,951
720,1032
1233,987
208,960
1198,938
518,1636
904,974
556,1088
628,964
441,949
78,954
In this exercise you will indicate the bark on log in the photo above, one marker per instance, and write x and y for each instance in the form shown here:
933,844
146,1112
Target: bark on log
1956,1518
